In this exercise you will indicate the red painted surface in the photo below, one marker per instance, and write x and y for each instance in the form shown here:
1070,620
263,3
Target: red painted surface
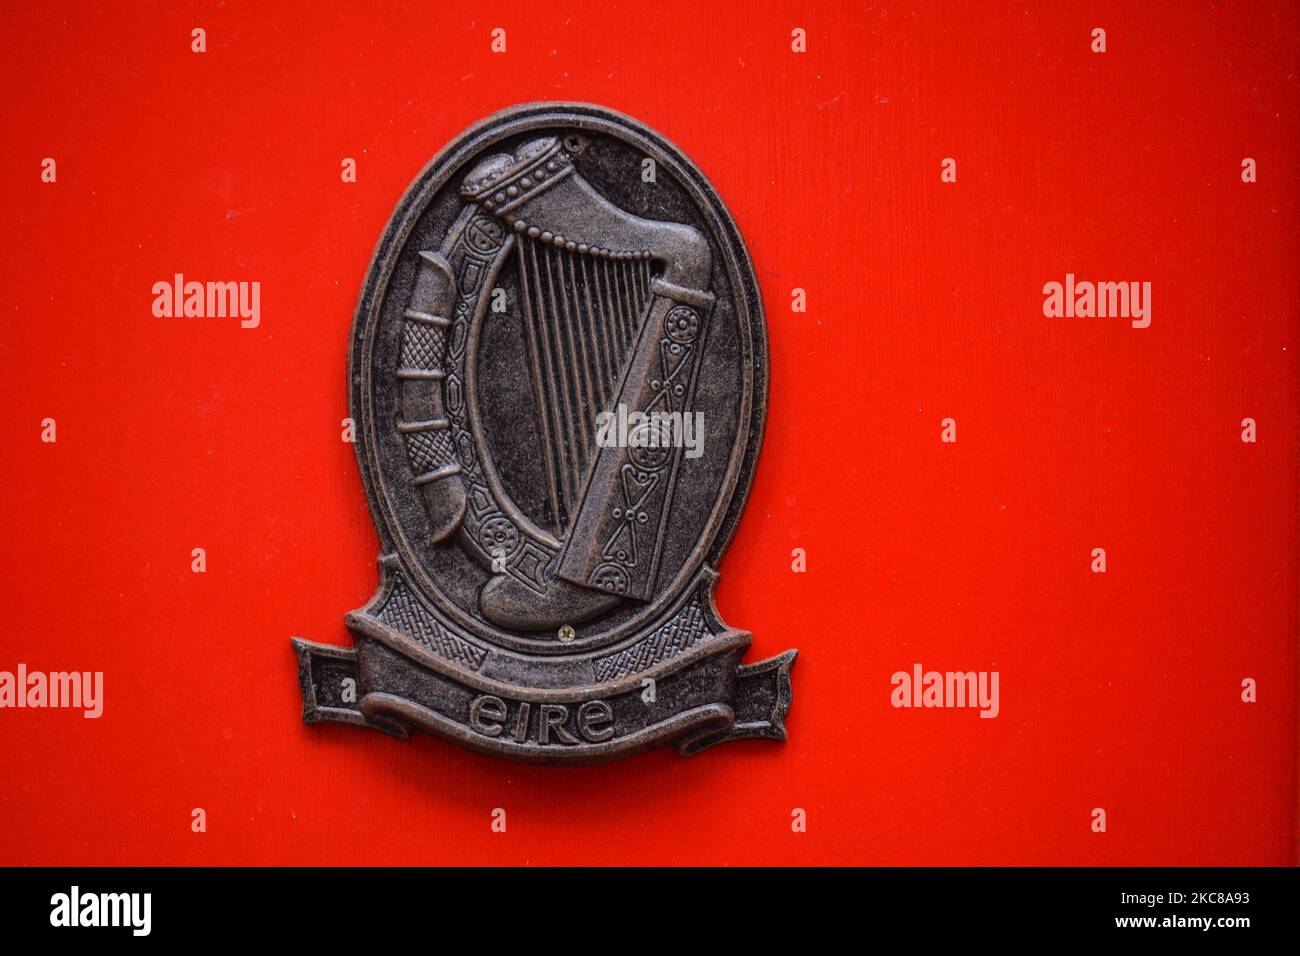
1119,691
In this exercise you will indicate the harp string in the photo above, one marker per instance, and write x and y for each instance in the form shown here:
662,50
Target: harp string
562,405
601,346
633,297
564,320
643,280
616,297
612,325
569,352
618,310
578,329
543,388
582,313
630,308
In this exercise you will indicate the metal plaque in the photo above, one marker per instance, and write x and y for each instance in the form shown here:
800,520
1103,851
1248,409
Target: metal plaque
558,375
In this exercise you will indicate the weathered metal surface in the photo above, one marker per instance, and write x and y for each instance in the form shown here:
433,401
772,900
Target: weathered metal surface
558,377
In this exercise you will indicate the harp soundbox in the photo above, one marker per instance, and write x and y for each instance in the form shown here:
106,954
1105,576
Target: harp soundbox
615,309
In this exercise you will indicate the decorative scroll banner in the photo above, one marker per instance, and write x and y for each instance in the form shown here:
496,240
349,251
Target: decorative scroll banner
700,698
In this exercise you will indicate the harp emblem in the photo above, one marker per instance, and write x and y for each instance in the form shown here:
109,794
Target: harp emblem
530,289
